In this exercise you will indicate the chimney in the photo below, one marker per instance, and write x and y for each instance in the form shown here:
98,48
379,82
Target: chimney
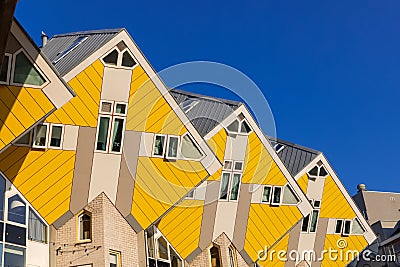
44,38
361,187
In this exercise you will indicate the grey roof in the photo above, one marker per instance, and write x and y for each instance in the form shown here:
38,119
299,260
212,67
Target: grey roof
204,112
293,156
60,43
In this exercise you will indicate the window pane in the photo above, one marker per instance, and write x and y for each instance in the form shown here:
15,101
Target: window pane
228,165
159,142
113,260
276,198
111,58
347,226
189,149
120,109
245,127
215,258
162,249
314,220
24,140
150,243
234,126
289,197
266,194
16,209
4,69
304,226
190,194
322,172
84,227
37,229
224,186
232,257
117,135
238,165
357,227
176,261
235,186
14,256
314,171
173,147
40,135
25,72
15,235
103,133
338,228
127,60
56,135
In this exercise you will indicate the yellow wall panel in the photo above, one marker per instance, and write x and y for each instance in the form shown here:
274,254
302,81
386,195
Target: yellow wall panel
274,260
218,144
267,224
82,110
334,204
303,182
343,246
46,188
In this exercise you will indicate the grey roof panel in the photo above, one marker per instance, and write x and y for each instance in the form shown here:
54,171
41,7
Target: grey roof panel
207,112
61,42
294,157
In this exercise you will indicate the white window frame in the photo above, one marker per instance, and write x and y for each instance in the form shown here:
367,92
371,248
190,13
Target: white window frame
230,183
341,227
119,58
11,80
234,166
168,145
180,155
10,59
62,136
118,254
108,134
164,146
228,169
79,227
110,151
34,136
344,227
112,107
193,191
239,131
115,108
317,222
280,196
270,194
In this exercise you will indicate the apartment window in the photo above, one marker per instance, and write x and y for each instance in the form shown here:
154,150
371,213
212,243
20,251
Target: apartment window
305,223
215,256
25,72
310,222
111,127
189,149
232,257
84,227
338,226
159,145
56,133
14,256
239,126
238,166
120,58
37,229
15,235
343,227
276,195
190,195
266,197
228,165
40,136
317,171
230,183
347,227
16,210
127,60
173,144
5,69
289,196
24,140
166,146
111,58
357,228
115,258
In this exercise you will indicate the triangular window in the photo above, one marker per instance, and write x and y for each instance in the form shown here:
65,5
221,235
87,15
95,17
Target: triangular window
111,58
25,72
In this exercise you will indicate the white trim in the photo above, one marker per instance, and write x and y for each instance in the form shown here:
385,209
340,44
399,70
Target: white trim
34,136
14,58
8,78
79,227
61,138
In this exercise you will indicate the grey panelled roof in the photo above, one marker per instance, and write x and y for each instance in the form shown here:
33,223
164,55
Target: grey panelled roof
206,112
294,157
62,42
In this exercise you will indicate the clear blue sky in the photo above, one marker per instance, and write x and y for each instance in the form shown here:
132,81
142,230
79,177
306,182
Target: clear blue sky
329,69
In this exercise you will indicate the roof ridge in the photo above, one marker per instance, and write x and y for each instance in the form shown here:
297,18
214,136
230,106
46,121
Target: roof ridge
207,97
115,30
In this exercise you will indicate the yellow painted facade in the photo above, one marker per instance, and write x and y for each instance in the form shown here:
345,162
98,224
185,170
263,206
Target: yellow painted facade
20,109
47,188
273,258
303,182
83,109
334,204
182,226
218,144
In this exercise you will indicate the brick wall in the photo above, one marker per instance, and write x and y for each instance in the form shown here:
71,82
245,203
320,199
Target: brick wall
203,259
110,231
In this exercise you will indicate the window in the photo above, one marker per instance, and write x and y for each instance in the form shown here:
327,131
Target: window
317,171
238,166
276,195
159,145
357,228
114,258
111,126
172,150
232,257
16,209
289,196
24,140
189,148
74,45
344,227
190,195
239,125
215,256
230,184
305,223
5,69
310,225
25,72
37,229
266,197
56,133
277,146
227,165
338,226
347,227
14,256
84,227
40,136
120,58
15,235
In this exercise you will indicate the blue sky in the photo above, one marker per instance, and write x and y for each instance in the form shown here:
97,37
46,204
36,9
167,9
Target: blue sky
329,69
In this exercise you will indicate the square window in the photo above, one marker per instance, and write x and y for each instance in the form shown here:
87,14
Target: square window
15,235
106,107
120,109
238,165
266,197
40,136
228,165
159,145
317,204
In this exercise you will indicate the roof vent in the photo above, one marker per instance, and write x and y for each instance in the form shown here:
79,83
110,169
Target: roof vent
44,38
361,187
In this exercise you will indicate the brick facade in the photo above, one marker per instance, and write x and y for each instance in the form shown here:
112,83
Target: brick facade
110,231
